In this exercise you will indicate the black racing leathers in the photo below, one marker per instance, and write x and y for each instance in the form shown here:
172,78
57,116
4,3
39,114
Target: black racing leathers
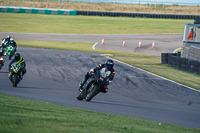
112,74
7,40
99,67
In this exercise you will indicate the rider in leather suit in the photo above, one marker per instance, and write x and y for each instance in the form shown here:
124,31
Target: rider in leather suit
7,39
13,43
109,67
19,59
5,44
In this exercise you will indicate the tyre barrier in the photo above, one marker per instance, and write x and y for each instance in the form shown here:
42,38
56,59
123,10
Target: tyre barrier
164,58
93,13
184,64
37,10
146,15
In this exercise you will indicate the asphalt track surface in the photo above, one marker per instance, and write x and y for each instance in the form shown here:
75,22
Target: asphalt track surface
53,76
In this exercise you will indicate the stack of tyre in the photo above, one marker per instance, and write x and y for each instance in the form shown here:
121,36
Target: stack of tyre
174,60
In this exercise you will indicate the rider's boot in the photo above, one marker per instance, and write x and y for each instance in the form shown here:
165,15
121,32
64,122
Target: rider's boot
81,89
81,85
9,76
105,89
4,53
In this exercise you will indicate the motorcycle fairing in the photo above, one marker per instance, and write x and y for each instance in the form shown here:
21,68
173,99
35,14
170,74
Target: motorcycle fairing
16,67
104,72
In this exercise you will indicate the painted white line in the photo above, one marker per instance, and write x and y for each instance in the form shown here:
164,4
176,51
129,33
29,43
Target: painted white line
94,45
144,78
152,74
176,50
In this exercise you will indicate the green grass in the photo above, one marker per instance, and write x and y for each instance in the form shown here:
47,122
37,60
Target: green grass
37,23
28,116
72,46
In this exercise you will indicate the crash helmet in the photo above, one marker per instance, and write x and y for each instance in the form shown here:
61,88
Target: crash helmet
17,56
8,37
109,64
11,40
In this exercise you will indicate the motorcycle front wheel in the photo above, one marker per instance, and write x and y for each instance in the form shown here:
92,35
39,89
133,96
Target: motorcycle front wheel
92,91
79,97
15,80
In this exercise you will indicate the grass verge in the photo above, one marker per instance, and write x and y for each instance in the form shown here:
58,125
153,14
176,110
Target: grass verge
28,116
24,23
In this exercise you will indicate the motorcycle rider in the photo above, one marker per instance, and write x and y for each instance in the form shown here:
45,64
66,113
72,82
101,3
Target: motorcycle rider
5,44
7,39
13,43
20,60
108,66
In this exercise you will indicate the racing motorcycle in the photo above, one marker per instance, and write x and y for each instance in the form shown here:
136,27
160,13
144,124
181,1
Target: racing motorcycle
4,42
95,84
3,47
10,51
1,61
14,73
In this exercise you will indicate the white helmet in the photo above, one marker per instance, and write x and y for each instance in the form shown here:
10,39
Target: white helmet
11,39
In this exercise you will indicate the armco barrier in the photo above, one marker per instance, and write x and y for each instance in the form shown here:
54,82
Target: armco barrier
174,60
93,13
37,10
146,15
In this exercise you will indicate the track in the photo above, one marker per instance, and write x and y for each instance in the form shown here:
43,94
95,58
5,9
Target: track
53,76
164,43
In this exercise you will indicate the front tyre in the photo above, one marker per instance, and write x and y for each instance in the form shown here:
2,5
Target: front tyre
15,80
92,91
79,96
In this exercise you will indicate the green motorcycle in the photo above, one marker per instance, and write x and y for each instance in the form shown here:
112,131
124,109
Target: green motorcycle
10,51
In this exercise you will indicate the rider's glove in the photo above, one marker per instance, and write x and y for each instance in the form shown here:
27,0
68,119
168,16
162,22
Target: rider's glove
91,71
110,82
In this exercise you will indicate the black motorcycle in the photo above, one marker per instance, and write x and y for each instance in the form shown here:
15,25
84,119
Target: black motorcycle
95,84
14,73
3,48
1,61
